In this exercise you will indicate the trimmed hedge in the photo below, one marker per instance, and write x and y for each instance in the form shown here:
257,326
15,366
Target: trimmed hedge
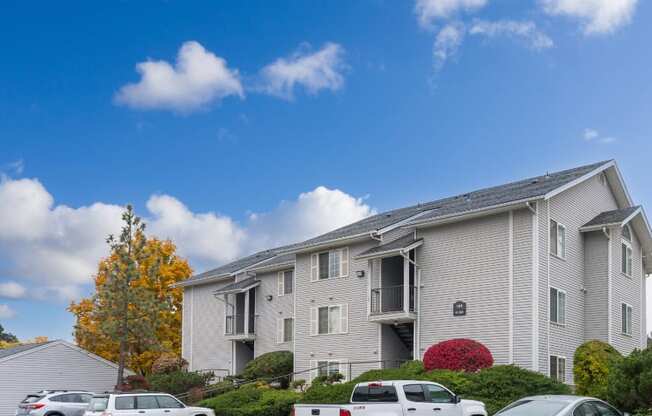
329,393
591,365
177,382
270,366
458,354
253,400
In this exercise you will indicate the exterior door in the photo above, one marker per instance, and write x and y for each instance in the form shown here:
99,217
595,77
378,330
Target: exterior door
170,406
430,400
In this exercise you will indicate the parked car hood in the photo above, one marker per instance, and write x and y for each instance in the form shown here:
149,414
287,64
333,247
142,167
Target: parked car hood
471,403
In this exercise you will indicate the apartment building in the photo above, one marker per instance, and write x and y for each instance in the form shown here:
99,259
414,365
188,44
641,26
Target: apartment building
532,269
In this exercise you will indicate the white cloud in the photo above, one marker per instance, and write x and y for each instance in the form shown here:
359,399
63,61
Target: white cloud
314,71
597,16
592,135
527,31
198,78
12,290
428,11
447,43
6,312
55,248
16,167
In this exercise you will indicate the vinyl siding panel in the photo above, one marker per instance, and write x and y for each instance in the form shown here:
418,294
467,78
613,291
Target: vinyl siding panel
522,288
466,261
572,208
208,349
392,348
361,343
55,367
596,283
268,312
627,290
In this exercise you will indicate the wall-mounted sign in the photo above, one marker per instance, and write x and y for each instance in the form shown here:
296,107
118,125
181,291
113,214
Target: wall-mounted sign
459,308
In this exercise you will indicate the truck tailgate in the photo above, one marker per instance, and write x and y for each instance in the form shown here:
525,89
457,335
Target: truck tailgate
317,409
375,409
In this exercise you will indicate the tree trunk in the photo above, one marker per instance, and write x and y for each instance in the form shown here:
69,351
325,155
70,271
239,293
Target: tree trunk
121,363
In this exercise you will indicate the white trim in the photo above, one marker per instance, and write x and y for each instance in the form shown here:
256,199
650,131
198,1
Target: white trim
510,266
609,288
579,180
630,310
535,289
344,259
558,226
548,282
192,324
389,253
643,311
399,224
565,366
629,258
630,201
328,244
631,217
557,322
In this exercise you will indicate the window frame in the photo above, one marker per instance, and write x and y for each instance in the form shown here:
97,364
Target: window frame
174,399
626,318
557,359
626,257
555,243
285,333
282,287
423,392
341,318
343,262
558,309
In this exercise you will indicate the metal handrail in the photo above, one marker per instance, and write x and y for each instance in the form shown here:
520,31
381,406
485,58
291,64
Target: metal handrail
235,324
391,299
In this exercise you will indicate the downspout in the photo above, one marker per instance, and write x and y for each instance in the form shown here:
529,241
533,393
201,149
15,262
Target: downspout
416,353
374,235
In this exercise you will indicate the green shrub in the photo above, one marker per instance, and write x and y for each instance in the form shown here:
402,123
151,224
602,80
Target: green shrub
459,382
500,385
178,382
414,367
630,382
592,362
411,370
270,366
252,401
328,393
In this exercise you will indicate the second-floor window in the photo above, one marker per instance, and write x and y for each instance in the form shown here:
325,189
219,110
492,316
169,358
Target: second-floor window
332,319
284,330
626,258
329,264
557,239
626,319
285,282
557,306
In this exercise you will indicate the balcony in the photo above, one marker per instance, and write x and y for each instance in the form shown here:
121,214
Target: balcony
393,304
239,327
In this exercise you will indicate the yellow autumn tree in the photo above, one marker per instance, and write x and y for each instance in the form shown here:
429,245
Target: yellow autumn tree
170,269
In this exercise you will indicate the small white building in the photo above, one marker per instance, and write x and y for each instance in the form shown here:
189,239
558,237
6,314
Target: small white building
48,366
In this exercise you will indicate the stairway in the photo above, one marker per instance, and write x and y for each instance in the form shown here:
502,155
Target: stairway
405,333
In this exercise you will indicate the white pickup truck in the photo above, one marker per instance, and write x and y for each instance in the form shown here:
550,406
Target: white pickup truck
397,398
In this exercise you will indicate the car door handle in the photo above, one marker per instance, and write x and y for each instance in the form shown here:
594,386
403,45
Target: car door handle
141,411
166,411
436,409
411,409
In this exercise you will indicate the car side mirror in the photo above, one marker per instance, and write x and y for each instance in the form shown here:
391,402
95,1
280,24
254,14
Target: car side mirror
457,399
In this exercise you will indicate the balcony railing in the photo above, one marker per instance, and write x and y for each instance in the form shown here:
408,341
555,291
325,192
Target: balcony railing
235,325
392,299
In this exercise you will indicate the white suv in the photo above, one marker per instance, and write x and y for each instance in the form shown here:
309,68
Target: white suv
142,404
55,403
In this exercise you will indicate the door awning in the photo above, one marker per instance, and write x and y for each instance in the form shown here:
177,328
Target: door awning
392,248
238,287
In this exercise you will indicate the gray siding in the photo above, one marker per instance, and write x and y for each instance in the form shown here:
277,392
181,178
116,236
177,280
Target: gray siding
207,348
55,367
361,343
628,290
466,261
572,208
596,283
268,313
522,288
392,348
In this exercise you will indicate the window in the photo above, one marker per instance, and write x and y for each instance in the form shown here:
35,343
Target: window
146,402
285,282
439,394
557,306
375,393
586,409
330,264
331,319
626,319
168,402
414,393
557,239
99,404
125,403
627,233
328,368
626,258
605,410
285,330
558,368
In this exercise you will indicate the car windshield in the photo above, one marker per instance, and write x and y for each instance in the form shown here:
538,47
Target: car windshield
98,404
32,398
533,408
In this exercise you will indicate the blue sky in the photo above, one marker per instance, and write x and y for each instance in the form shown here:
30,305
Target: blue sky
331,108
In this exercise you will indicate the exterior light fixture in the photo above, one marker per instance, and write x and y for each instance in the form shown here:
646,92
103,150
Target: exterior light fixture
360,273
269,298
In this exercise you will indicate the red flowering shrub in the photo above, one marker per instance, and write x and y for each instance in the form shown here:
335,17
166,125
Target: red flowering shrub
459,355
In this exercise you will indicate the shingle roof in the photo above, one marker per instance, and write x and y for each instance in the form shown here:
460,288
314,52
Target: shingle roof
393,245
611,217
511,192
242,284
20,348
